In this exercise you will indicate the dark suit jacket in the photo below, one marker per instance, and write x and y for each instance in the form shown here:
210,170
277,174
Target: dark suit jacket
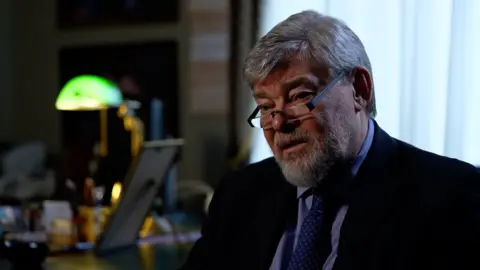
410,210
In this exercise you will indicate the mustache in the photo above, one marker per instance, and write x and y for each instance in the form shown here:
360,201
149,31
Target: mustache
281,140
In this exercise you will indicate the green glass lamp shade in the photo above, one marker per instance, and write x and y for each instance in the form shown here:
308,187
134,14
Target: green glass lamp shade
88,92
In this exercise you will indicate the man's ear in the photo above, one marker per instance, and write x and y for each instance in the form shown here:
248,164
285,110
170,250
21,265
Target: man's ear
362,88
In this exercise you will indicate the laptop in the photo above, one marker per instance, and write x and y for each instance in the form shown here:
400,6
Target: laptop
145,177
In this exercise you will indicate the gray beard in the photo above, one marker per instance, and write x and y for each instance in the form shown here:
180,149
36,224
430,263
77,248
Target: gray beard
308,167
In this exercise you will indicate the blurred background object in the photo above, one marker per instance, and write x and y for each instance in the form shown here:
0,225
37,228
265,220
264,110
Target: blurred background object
75,13
24,175
167,59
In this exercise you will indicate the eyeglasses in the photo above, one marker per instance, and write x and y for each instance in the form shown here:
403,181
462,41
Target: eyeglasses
292,112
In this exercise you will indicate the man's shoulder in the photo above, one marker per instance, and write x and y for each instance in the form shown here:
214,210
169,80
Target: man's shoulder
403,157
431,168
428,159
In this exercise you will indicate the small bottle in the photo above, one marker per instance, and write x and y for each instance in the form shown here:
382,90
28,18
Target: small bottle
88,192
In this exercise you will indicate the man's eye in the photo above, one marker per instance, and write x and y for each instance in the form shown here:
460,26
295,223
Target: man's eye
302,96
264,108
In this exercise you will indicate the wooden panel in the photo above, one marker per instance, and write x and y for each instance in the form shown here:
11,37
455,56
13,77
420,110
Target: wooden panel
209,4
210,48
210,21
209,86
217,73
121,34
209,56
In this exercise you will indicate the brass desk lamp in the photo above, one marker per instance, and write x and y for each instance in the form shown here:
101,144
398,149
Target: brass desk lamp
91,93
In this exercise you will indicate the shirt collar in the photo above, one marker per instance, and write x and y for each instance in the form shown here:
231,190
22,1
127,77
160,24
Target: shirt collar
358,160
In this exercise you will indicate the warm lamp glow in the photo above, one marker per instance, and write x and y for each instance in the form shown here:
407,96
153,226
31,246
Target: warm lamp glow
116,191
88,92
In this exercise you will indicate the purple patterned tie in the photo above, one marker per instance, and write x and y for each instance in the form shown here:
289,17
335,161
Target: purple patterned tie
313,246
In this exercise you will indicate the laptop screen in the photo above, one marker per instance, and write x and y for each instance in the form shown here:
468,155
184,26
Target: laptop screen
140,187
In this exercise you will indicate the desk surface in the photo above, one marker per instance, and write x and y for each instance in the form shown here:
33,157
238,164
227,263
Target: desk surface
164,251
143,257
146,257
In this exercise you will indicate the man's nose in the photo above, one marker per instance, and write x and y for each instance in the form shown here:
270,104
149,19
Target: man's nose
278,120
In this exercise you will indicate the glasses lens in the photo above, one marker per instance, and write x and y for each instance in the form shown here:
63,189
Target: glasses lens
256,122
297,110
264,121
291,113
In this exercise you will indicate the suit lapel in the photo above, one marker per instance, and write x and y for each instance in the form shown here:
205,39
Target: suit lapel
276,204
375,189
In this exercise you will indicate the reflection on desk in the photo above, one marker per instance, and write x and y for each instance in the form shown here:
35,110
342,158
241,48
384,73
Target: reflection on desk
164,251
147,257
142,257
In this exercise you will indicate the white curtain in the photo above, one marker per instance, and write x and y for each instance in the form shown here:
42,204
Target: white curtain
425,56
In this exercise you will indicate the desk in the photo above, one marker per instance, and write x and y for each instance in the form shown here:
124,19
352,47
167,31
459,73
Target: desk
162,251
146,257
143,257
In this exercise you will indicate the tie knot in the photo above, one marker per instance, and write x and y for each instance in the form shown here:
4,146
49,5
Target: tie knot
327,200
335,188
317,202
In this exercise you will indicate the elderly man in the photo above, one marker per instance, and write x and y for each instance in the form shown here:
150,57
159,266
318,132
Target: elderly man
340,193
